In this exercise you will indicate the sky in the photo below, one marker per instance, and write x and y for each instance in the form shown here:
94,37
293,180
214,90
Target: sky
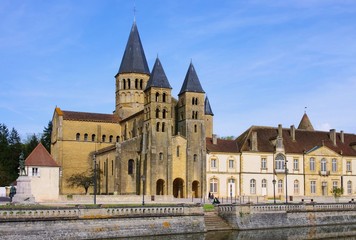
260,62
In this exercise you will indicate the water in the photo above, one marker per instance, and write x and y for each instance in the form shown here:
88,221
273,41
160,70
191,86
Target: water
321,232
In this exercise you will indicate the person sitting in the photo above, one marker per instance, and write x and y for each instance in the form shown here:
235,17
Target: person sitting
216,201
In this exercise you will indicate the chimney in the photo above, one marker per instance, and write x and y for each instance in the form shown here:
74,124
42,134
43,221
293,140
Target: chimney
333,136
215,139
279,130
342,137
254,141
292,132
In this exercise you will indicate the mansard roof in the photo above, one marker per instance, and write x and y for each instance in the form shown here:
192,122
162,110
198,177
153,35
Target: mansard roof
134,59
304,140
305,123
207,107
40,157
222,145
191,82
94,117
158,77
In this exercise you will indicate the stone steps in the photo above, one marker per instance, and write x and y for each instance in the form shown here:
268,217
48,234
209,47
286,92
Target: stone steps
215,223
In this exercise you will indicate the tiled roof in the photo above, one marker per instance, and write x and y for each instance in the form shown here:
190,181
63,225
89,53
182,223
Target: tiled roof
40,157
95,117
191,82
207,107
227,146
158,77
134,59
304,140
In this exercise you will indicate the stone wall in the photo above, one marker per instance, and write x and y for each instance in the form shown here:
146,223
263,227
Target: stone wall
280,215
96,223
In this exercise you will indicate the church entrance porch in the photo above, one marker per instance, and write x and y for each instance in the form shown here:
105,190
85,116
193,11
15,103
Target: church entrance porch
160,187
178,186
196,189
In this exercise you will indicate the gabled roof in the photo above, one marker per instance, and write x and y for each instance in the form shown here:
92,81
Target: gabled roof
40,157
85,116
305,123
304,140
191,82
158,77
134,59
207,107
226,146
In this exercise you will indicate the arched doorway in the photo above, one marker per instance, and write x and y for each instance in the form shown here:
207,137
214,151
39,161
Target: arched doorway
196,189
178,186
160,187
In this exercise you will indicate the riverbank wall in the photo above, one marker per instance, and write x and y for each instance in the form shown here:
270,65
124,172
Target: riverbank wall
101,222
265,216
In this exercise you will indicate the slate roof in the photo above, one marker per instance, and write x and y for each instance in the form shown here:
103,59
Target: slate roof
40,157
305,123
304,140
207,107
191,82
134,59
226,146
94,117
158,77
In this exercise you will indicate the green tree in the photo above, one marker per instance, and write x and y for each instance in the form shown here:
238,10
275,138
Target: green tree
228,137
83,179
46,136
31,142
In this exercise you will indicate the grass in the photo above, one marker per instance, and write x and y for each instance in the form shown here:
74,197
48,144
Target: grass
208,207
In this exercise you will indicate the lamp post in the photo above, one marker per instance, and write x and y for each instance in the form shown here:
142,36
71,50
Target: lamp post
274,190
143,177
94,158
286,170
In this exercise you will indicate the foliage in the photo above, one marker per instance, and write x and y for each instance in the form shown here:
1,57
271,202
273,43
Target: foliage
84,179
337,192
208,207
46,136
229,138
30,143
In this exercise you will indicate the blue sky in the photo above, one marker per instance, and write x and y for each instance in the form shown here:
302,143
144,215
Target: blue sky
260,62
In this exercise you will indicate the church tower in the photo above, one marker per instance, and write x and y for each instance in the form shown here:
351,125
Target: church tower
158,127
191,125
209,119
132,77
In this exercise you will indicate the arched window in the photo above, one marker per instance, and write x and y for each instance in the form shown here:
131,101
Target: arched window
193,115
124,83
141,86
157,96
163,127
164,113
196,115
264,183
193,101
77,137
280,186
93,137
117,138
157,127
280,162
196,101
349,187
128,84
195,128
195,157
177,151
296,187
131,164
213,185
312,164
252,186
160,156
164,97
110,138
157,113
103,138
136,83
85,137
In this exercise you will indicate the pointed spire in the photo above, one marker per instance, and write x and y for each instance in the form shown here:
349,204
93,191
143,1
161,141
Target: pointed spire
191,82
207,107
305,123
134,59
158,77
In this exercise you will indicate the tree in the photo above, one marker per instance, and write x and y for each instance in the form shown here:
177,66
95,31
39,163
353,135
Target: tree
31,143
46,136
84,179
228,137
337,192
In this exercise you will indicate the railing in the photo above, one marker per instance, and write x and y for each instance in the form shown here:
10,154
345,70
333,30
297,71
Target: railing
324,173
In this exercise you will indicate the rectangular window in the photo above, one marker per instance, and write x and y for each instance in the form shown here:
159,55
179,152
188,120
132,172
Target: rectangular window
296,187
213,186
178,151
348,166
213,163
112,167
280,186
334,165
35,172
312,164
263,163
231,163
334,184
313,187
295,164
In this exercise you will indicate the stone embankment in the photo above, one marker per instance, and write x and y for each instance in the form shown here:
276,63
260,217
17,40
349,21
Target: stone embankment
264,216
102,222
